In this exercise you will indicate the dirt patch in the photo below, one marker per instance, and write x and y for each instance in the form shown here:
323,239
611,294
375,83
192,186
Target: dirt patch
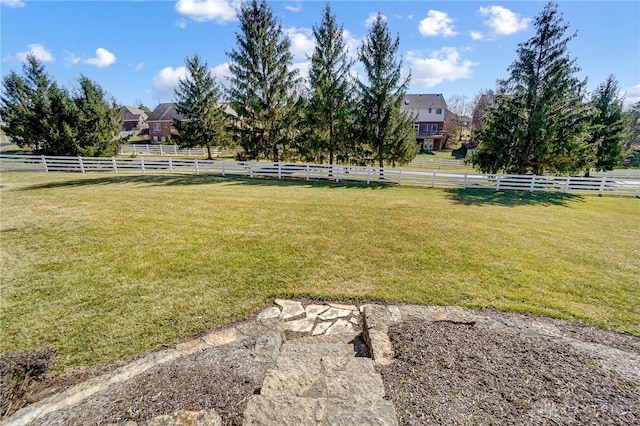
221,379
459,374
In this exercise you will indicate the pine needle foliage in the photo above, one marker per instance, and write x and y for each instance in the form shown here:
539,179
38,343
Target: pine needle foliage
330,107
382,124
204,121
607,126
263,83
540,121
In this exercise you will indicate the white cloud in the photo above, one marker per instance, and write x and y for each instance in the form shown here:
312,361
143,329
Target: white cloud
137,67
302,42
208,10
72,59
37,50
297,7
502,20
372,17
442,65
352,43
181,23
12,3
221,73
477,35
437,23
103,58
633,95
167,79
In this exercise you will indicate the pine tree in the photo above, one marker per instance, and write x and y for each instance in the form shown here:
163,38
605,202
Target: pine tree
607,126
99,122
262,83
330,106
382,123
197,101
542,106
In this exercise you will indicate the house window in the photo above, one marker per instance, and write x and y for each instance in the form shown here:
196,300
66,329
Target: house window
156,127
438,110
429,110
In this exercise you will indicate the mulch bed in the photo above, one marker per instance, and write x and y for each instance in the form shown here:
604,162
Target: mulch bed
463,374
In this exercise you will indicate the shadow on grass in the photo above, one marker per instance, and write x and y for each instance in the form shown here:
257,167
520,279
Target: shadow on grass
488,197
190,180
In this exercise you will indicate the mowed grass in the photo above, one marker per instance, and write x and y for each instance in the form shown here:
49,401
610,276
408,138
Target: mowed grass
106,266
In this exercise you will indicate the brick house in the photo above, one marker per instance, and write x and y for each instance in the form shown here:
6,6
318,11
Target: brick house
132,118
160,122
429,111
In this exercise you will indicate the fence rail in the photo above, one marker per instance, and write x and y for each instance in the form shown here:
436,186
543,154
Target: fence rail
438,163
338,173
175,150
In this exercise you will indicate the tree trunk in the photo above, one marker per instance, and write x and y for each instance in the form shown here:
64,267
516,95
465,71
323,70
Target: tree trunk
209,157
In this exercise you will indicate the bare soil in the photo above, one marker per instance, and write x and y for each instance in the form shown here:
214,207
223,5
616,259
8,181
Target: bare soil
444,373
467,374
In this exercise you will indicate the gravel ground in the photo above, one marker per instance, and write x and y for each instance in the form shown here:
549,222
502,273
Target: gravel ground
444,373
466,374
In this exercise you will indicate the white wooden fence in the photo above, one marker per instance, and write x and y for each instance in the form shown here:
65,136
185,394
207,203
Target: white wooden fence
438,163
593,185
162,150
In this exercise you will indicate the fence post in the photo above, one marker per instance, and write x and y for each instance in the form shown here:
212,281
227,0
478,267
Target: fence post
222,167
147,145
189,152
566,184
433,180
307,172
175,149
532,187
498,183
279,170
161,152
464,182
81,164
251,169
369,176
197,167
170,165
113,163
602,182
337,173
638,193
400,177
44,164
142,164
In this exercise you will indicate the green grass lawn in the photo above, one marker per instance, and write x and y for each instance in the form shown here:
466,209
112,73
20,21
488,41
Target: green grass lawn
106,266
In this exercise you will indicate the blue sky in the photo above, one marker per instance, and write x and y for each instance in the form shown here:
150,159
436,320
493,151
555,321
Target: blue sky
136,49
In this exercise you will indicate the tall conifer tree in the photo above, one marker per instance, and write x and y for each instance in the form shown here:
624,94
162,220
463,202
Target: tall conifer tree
204,120
607,126
330,107
263,82
382,122
540,120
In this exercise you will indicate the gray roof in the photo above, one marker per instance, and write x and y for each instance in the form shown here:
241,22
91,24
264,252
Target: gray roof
167,112
164,112
424,101
129,113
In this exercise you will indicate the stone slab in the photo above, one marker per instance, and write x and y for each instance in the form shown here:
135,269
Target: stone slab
315,310
333,313
303,325
272,312
340,327
345,307
184,417
290,308
331,365
324,349
321,327
223,337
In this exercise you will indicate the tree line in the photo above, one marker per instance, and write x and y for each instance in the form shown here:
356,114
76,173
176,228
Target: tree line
542,121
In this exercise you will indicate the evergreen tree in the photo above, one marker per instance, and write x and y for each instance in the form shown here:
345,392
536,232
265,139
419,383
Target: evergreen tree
197,100
25,105
99,121
380,119
607,126
330,106
262,83
541,107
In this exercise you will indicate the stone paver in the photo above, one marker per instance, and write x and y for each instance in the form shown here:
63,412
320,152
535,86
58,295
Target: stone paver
290,308
333,313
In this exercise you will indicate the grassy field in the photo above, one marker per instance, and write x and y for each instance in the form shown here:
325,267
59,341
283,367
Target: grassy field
106,266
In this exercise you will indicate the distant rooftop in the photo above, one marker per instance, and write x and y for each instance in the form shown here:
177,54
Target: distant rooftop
424,101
